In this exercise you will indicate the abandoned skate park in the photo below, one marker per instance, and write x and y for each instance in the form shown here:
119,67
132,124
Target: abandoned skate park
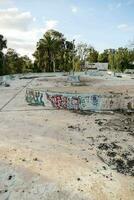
67,136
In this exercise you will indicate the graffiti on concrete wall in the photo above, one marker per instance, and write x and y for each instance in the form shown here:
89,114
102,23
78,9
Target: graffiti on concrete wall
90,102
73,79
57,101
71,101
74,102
34,97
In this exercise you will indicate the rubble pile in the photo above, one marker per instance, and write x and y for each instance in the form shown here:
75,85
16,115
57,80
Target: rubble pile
126,124
117,156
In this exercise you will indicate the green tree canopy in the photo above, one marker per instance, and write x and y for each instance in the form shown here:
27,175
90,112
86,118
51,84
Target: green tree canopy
53,52
14,63
92,55
121,59
103,57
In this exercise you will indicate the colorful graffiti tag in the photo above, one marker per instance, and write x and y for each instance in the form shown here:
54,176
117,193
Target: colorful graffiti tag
71,101
92,102
34,97
57,101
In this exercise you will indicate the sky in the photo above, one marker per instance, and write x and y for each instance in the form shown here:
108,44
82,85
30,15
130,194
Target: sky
100,23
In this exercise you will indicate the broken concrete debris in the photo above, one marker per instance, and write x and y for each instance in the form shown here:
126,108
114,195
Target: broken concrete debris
115,155
126,124
119,160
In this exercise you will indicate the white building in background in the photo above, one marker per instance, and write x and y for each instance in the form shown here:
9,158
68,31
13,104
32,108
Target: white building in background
96,66
129,71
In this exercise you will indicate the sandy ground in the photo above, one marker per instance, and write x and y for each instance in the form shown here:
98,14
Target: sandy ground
53,154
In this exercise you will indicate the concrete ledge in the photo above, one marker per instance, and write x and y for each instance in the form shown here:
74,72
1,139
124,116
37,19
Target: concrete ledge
79,101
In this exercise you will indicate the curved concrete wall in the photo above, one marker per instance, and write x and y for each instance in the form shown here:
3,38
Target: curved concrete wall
75,101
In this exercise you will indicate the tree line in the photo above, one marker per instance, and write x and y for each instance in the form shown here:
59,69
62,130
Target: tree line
11,62
55,53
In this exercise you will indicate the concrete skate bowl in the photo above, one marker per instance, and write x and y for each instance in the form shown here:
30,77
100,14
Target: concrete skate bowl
83,80
79,101
6,78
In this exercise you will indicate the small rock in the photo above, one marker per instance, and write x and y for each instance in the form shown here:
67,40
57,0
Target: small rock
35,159
10,177
104,168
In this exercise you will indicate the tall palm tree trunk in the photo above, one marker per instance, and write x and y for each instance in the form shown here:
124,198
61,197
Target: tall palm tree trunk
54,67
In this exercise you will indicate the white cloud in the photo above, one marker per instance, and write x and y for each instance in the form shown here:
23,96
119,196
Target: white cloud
125,27
6,2
122,26
20,30
14,19
77,37
51,24
74,9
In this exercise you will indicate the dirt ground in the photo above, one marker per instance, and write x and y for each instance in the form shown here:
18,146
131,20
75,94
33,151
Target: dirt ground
53,154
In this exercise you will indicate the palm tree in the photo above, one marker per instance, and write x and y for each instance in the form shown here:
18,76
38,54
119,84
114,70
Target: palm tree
48,49
54,52
3,43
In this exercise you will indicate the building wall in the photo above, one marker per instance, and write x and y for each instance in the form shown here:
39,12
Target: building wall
101,66
98,66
